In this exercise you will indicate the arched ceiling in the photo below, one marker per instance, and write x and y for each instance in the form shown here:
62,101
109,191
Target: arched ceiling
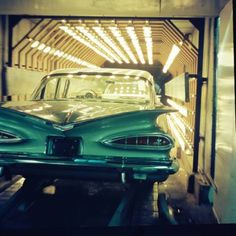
92,42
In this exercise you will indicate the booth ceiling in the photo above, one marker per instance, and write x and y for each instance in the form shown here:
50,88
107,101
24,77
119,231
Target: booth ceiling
62,43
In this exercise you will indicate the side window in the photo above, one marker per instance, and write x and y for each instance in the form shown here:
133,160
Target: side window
62,87
49,90
74,87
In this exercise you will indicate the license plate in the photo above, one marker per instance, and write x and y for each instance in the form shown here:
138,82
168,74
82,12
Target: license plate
63,146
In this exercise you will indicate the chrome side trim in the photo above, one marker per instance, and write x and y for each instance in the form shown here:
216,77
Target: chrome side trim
12,138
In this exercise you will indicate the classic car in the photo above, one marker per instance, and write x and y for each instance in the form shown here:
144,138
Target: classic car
92,124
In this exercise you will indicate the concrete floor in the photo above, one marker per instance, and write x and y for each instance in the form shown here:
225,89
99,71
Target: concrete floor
185,205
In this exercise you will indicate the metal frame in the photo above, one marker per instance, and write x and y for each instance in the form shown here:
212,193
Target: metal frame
171,35
200,27
213,137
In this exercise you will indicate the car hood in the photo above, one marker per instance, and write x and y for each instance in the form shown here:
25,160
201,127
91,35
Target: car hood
65,112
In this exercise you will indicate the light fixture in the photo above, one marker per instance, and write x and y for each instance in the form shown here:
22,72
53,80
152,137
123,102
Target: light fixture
65,55
147,31
174,52
131,32
181,109
102,33
35,44
116,32
82,40
69,57
179,135
52,51
183,121
84,30
58,53
176,133
178,122
47,49
41,46
83,76
88,44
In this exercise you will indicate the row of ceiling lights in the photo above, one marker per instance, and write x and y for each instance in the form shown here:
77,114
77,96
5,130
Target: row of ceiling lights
73,34
58,53
107,48
100,42
116,33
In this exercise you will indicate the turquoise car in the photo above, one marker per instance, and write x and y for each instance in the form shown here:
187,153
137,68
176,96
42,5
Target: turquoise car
91,124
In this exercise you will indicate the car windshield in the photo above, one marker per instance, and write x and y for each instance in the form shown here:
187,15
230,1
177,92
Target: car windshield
96,86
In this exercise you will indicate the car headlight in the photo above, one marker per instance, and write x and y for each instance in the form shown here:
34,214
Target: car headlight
147,141
6,137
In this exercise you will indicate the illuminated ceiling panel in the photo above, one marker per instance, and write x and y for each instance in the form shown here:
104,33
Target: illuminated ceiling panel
53,44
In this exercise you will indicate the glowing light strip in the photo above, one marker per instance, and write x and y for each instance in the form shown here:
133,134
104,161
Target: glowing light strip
147,31
35,44
41,46
181,109
73,34
52,51
174,52
86,32
182,126
185,123
179,123
131,32
101,32
176,133
116,32
47,49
